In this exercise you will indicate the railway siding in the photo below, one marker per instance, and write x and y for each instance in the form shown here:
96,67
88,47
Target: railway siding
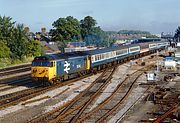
117,79
136,94
116,99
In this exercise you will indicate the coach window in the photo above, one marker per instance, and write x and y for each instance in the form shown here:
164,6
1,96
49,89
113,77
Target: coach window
98,57
117,52
92,58
95,57
110,54
103,56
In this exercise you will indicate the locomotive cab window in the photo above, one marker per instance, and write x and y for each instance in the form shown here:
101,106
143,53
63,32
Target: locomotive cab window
52,64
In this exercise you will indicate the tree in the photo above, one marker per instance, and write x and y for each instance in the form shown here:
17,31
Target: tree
14,43
70,29
177,34
18,43
87,25
6,28
34,48
65,29
99,38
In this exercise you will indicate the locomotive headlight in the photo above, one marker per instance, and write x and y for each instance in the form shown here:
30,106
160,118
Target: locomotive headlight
46,75
34,70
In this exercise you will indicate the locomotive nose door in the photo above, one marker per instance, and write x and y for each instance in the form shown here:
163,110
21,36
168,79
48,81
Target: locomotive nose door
52,71
88,62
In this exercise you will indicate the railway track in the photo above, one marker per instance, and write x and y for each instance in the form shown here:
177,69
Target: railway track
14,67
14,78
107,107
15,70
88,95
118,96
20,96
15,84
16,97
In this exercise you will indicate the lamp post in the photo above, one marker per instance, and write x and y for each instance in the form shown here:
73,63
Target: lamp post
157,61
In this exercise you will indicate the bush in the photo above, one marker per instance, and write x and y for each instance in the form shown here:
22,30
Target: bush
4,62
4,50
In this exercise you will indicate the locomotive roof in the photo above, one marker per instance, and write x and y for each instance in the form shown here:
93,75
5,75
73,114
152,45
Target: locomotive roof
60,56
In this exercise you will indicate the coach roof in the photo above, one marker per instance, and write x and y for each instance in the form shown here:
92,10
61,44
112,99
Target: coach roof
81,53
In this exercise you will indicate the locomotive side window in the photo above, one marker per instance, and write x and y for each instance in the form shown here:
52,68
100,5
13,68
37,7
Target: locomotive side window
39,63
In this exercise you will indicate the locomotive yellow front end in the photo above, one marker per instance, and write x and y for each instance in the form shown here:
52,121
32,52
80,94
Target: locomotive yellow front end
43,71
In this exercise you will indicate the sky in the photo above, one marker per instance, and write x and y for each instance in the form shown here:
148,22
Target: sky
155,16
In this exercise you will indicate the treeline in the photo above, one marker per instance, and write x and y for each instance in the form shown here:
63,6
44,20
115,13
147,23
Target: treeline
70,29
133,32
177,34
15,46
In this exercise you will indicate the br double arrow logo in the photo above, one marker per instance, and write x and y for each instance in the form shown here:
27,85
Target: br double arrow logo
66,67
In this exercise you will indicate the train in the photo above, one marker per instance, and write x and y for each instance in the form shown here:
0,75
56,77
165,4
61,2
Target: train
54,68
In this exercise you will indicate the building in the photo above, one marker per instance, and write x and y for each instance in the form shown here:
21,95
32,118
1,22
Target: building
74,49
168,36
76,44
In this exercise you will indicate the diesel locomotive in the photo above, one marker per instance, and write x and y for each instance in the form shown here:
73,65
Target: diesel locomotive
53,68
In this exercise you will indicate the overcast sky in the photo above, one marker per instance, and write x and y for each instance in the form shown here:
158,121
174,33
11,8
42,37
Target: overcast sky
155,16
